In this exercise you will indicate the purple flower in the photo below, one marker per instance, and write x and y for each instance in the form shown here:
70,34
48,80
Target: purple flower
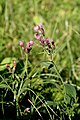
42,41
41,26
40,35
27,110
37,37
39,29
36,28
22,48
21,43
31,42
47,41
29,46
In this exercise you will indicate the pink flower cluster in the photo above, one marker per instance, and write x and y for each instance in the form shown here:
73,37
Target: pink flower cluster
28,46
40,36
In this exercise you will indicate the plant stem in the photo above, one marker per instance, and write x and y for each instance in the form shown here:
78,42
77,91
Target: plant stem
57,71
26,64
17,108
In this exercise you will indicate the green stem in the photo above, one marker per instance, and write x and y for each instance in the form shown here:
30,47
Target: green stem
17,111
57,71
26,64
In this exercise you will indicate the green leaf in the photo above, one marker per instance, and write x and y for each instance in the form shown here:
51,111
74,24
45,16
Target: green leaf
3,86
46,64
70,93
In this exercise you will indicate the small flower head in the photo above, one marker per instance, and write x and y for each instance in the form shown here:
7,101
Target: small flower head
27,110
36,28
40,25
29,46
47,41
22,44
42,42
37,37
31,42
40,35
39,29
22,48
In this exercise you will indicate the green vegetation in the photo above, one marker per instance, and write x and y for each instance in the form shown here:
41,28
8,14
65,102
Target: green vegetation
40,85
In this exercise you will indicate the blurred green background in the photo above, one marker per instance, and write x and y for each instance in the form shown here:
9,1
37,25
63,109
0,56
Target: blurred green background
61,20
